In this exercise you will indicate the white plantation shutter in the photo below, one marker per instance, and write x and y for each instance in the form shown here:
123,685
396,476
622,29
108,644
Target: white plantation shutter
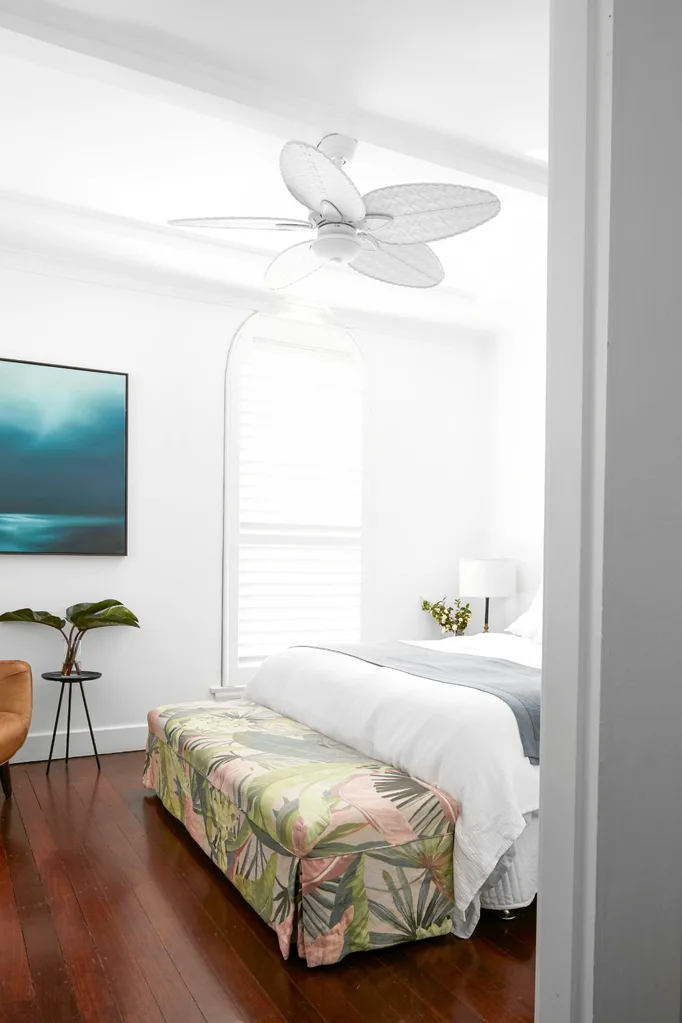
299,424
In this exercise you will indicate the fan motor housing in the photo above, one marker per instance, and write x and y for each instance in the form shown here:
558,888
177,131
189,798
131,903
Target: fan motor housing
339,148
336,243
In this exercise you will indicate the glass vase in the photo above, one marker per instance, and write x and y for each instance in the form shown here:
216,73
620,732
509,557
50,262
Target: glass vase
72,663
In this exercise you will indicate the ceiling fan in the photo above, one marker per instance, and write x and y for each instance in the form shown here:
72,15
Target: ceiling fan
381,234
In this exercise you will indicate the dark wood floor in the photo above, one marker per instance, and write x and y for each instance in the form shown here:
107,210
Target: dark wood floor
110,912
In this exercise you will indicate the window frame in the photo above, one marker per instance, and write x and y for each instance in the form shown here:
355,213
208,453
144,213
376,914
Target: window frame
306,329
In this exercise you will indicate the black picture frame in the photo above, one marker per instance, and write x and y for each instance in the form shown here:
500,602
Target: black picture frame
123,552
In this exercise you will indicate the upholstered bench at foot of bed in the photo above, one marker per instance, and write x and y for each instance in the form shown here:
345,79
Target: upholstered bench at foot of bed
335,851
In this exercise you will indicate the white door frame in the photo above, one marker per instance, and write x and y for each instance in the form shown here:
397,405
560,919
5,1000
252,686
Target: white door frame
576,399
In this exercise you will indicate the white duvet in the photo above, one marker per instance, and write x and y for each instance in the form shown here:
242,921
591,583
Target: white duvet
460,739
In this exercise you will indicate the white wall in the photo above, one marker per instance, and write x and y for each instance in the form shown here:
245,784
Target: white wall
516,525
174,351
518,468
426,491
428,479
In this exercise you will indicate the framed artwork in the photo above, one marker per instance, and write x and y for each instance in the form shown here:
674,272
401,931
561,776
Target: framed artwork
63,459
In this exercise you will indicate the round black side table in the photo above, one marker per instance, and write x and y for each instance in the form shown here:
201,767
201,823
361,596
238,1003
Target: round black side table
71,680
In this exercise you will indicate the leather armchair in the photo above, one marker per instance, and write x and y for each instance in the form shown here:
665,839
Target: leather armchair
16,706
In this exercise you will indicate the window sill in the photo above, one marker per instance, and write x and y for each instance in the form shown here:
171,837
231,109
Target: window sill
224,693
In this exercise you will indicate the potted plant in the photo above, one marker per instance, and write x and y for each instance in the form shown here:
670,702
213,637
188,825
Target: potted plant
451,618
80,618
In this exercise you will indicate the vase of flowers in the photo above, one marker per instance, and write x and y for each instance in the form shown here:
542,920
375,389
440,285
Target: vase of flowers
451,617
79,618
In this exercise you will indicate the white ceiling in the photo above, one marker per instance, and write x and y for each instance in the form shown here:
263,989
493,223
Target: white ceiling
91,136
462,82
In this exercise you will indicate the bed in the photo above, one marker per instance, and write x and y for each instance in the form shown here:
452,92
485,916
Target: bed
429,784
464,741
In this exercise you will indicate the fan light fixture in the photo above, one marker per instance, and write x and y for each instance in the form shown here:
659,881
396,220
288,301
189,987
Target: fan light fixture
382,234
336,243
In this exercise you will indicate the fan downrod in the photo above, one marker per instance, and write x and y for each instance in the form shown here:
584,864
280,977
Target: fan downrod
339,148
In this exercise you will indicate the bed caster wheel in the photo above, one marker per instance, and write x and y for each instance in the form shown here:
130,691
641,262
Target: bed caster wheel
507,915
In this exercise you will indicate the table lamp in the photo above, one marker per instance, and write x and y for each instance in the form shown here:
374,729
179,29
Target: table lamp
493,577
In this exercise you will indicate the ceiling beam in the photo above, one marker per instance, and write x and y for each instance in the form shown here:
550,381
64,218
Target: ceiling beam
160,66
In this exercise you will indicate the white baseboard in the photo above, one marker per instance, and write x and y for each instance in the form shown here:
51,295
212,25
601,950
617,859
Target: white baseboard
119,739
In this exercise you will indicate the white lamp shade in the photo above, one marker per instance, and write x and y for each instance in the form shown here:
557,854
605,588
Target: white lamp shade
494,577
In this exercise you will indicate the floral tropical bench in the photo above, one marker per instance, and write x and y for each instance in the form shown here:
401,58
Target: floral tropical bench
334,851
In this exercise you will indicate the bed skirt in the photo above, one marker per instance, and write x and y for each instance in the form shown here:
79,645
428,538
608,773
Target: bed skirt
357,884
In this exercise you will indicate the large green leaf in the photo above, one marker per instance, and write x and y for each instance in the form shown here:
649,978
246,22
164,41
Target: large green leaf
330,844
112,614
396,923
358,932
284,895
25,614
259,893
433,853
88,607
304,747
268,791
401,897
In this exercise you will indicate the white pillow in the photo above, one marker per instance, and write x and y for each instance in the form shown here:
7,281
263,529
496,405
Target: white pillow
529,624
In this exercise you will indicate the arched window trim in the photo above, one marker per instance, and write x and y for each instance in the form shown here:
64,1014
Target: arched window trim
312,329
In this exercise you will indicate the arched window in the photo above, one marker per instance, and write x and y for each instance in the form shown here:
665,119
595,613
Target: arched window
293,490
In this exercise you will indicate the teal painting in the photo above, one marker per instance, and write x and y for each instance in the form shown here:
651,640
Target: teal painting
63,460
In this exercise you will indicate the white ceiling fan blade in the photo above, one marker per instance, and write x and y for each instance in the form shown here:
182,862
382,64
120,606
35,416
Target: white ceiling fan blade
295,263
313,179
428,212
244,223
413,266
375,222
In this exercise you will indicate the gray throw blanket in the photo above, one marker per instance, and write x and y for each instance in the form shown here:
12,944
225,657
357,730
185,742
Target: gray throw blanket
517,685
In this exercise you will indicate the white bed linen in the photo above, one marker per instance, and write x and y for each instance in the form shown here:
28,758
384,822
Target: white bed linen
519,885
465,741
489,644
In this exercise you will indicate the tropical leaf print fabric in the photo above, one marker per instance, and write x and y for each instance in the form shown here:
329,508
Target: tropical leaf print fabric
334,851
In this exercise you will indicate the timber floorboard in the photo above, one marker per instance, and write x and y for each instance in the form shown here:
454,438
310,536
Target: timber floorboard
110,913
